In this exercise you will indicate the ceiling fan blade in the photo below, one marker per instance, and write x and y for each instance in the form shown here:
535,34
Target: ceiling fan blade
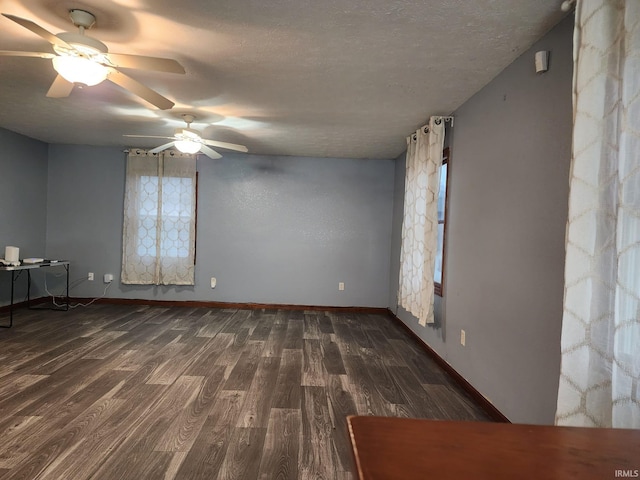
209,152
38,30
148,136
60,88
162,147
145,63
139,89
228,146
9,53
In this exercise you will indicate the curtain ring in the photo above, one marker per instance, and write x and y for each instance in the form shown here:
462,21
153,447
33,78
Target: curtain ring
414,137
426,129
438,120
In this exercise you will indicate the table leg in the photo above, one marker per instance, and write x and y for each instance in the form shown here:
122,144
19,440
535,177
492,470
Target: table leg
28,288
11,304
67,267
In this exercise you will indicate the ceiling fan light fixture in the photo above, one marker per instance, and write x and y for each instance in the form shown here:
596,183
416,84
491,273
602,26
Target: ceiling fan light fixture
76,69
187,146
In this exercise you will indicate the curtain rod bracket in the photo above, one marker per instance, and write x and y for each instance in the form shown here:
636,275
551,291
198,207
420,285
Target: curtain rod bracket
439,120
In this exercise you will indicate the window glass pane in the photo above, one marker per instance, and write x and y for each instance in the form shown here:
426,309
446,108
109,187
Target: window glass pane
176,196
177,199
439,254
147,216
146,236
443,192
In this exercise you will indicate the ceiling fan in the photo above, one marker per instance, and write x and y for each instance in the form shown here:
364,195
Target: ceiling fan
83,60
189,140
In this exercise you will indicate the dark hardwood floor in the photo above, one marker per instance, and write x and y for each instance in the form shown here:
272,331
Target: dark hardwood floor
136,392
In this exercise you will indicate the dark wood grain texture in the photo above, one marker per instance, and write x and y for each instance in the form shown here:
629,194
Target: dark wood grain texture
396,448
281,446
138,391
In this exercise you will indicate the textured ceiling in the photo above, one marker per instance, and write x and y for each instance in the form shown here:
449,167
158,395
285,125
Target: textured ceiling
334,78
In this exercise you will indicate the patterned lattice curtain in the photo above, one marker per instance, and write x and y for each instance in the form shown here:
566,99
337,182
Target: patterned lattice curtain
420,220
158,245
600,373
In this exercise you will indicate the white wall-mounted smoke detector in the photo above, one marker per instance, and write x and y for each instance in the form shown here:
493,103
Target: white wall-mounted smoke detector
542,61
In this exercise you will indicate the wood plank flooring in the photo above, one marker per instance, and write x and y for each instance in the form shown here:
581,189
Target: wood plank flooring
138,392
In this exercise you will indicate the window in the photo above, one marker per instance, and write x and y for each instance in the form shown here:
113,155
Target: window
438,277
159,219
166,211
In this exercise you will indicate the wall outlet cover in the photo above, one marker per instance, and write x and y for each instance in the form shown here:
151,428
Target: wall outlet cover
108,278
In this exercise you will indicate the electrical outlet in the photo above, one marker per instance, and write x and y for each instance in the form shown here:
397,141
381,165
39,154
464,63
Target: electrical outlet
213,282
341,286
90,277
108,278
463,338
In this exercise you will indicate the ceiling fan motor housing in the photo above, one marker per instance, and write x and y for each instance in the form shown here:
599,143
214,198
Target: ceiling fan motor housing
188,134
87,46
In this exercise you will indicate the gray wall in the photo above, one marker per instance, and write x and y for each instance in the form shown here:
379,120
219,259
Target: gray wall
510,156
287,230
23,203
270,229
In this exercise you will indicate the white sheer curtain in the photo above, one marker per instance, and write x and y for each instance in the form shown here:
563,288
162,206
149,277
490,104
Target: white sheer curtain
159,219
600,374
420,221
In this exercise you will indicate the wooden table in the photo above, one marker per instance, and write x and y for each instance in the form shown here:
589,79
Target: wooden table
404,449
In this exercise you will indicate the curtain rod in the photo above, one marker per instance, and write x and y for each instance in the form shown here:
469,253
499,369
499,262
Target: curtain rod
438,120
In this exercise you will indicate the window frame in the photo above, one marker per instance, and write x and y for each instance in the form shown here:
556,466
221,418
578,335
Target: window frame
160,266
158,217
438,288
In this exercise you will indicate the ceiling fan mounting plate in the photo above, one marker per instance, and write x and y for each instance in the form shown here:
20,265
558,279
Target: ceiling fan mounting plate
82,18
